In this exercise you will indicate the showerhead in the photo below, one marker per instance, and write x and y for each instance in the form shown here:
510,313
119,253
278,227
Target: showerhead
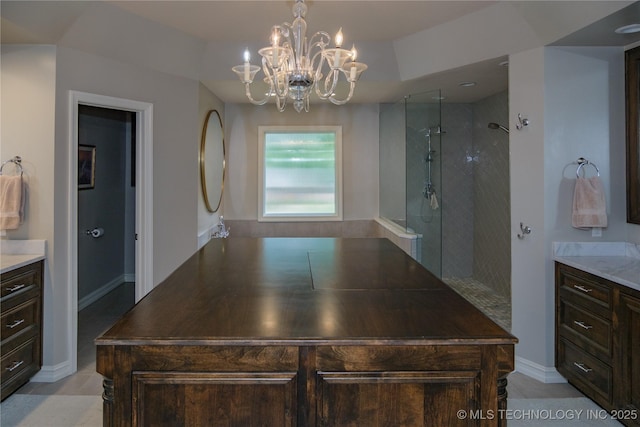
497,126
435,130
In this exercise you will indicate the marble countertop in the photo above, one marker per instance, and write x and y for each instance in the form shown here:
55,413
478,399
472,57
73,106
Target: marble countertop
18,253
618,262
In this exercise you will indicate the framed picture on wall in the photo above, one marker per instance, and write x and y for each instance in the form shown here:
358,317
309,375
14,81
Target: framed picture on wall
86,167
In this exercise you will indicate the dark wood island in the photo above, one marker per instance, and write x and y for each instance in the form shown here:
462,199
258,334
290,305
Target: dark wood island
304,332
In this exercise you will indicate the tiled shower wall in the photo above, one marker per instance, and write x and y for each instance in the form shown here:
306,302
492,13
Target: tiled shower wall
475,188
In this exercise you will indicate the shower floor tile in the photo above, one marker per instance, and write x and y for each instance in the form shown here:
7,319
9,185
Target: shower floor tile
495,306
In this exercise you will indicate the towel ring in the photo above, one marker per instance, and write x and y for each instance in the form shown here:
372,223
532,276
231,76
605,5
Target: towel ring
581,162
17,160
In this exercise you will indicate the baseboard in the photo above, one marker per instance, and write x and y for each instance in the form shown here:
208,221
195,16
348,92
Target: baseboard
51,374
548,375
101,291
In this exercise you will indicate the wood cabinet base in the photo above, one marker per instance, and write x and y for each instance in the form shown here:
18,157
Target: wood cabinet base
304,386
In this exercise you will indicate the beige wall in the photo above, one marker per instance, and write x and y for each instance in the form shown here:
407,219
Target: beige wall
28,95
27,123
359,148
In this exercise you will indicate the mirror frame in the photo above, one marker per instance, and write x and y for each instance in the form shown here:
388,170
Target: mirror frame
632,82
203,166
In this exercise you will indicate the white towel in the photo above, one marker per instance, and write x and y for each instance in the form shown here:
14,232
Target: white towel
589,206
433,201
12,198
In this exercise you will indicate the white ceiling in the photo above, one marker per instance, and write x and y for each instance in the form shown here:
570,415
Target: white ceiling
456,40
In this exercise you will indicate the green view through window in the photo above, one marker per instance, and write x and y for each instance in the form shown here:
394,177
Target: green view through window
301,171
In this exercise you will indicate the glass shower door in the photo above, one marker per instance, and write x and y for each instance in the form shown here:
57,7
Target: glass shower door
393,163
423,175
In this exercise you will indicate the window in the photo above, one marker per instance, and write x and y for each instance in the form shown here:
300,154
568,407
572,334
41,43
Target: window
300,173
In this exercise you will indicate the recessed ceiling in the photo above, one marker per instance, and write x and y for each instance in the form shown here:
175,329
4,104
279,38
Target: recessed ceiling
220,28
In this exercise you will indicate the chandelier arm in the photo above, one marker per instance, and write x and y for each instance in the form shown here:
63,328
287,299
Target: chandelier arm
253,101
330,83
274,87
352,86
315,56
324,39
281,103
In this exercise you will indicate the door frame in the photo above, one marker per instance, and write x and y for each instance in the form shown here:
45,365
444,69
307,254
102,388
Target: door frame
144,201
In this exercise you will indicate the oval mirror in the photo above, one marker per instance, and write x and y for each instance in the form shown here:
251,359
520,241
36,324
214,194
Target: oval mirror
212,164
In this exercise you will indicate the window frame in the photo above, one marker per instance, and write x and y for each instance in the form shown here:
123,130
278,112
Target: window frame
262,132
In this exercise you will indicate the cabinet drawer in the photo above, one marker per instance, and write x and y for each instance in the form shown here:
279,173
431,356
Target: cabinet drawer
19,318
585,371
578,324
583,288
20,285
22,362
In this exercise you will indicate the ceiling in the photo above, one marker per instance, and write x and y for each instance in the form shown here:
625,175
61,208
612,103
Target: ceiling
462,40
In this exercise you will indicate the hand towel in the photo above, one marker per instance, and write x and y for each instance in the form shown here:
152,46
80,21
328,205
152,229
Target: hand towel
11,202
589,206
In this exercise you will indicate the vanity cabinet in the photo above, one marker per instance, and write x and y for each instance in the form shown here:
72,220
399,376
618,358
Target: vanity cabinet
598,340
629,357
21,326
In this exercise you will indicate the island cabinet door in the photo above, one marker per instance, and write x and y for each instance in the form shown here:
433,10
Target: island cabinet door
398,398
214,399
406,386
197,386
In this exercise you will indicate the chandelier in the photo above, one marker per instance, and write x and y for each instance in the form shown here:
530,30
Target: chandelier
293,65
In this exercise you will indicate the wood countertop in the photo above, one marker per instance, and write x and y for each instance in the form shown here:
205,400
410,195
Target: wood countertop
303,291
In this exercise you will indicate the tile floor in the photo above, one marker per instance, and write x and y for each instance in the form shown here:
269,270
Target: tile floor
92,322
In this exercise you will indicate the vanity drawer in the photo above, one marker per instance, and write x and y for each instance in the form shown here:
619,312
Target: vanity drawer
20,318
589,330
20,325
20,285
585,372
17,367
584,289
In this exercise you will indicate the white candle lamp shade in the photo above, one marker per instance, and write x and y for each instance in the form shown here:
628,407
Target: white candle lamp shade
353,70
275,56
246,77
336,57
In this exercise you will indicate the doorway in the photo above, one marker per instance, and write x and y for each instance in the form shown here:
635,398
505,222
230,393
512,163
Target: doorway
138,123
106,201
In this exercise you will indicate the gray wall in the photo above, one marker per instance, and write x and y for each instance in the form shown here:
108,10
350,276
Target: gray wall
574,99
359,154
491,198
476,201
36,81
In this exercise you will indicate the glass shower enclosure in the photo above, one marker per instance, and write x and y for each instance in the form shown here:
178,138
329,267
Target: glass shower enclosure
410,172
